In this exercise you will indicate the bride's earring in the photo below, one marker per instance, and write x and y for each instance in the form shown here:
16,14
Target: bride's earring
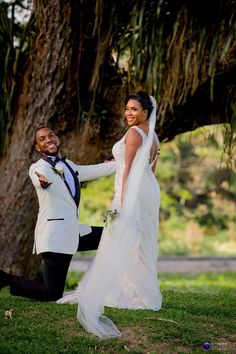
145,114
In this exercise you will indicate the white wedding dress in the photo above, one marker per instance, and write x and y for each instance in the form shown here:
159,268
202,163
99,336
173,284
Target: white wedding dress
123,273
136,285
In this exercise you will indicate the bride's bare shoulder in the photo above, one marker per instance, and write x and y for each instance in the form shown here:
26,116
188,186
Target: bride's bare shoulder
132,135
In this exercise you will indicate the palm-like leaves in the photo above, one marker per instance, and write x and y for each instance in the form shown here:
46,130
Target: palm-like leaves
174,48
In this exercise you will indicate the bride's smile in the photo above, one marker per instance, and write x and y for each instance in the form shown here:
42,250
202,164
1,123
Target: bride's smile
134,113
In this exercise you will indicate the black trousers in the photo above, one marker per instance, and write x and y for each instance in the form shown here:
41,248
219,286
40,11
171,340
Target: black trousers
56,266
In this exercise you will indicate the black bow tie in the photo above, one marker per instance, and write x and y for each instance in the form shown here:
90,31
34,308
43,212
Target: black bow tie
53,161
57,159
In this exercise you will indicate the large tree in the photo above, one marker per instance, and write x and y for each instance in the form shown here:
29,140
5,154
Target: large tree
70,67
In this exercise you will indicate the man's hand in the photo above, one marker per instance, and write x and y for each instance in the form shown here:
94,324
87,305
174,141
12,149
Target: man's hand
43,180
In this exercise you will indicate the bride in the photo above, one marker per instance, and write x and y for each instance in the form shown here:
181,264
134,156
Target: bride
123,273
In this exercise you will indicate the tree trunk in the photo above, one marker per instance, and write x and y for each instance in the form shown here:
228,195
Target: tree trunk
66,62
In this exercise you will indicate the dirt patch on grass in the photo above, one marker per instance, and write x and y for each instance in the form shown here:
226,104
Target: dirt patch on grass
138,340
70,328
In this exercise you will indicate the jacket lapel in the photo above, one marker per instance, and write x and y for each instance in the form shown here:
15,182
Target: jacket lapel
77,184
76,180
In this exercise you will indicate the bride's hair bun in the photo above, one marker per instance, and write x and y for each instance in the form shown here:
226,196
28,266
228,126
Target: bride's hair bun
143,98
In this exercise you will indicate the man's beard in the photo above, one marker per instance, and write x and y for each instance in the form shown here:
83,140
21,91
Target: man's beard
52,153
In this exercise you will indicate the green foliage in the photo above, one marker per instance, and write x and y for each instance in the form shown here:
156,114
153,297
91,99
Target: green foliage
200,188
72,280
196,309
182,38
96,197
99,114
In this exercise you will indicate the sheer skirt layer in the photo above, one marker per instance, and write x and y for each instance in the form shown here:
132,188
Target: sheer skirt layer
124,271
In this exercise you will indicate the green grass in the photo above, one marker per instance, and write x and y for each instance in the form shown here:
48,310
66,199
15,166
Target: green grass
203,282
196,309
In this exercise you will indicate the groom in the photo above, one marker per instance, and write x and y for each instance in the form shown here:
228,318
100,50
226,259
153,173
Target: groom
58,234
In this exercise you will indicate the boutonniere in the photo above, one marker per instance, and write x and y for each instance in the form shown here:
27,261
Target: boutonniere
110,216
59,168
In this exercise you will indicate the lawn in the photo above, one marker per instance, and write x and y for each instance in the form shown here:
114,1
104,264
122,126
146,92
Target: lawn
196,309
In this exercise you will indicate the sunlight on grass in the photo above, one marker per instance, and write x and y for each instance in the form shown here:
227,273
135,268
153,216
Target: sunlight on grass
205,282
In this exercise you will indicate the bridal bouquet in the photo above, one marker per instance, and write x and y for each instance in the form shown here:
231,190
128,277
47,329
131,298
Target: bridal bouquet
110,216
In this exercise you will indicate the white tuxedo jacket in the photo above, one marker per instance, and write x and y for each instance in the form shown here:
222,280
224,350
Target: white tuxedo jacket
57,228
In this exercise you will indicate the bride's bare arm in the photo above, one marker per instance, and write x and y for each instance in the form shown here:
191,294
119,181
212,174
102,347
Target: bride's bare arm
133,141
